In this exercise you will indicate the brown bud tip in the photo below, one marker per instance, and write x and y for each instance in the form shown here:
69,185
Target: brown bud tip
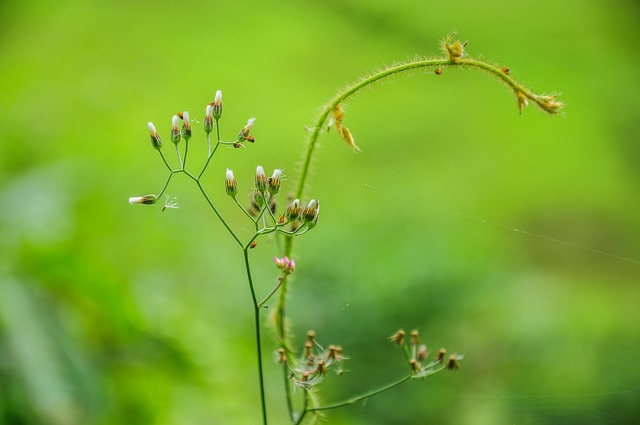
311,334
506,70
253,245
282,355
453,364
438,71
415,366
398,337
415,337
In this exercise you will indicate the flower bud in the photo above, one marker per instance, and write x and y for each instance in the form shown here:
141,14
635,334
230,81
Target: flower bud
274,181
310,213
156,142
145,200
293,210
217,105
230,184
186,126
261,179
175,129
208,119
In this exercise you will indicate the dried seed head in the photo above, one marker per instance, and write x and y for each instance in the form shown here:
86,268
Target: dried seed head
421,354
322,368
440,356
156,142
282,355
308,346
398,337
523,102
245,133
144,200
311,335
230,184
453,364
415,337
550,104
415,366
175,129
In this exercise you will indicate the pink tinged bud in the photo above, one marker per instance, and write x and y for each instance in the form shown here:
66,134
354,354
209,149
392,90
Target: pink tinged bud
231,185
284,264
274,181
261,179
310,213
217,105
208,119
175,129
293,210
186,126
145,200
156,142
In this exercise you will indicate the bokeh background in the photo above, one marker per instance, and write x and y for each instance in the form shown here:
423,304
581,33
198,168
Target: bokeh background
512,239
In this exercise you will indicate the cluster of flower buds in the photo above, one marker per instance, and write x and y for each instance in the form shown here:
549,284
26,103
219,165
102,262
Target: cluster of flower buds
314,362
284,264
417,354
307,215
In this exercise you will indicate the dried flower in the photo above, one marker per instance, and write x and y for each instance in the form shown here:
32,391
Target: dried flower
245,133
398,337
440,356
282,355
145,200
453,364
415,337
421,354
156,142
415,366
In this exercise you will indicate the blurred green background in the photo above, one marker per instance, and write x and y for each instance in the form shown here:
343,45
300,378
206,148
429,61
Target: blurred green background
513,239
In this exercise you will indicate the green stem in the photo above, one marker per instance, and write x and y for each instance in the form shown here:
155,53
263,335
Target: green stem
358,398
256,311
273,291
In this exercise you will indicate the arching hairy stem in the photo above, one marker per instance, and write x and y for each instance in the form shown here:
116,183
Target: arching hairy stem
454,57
